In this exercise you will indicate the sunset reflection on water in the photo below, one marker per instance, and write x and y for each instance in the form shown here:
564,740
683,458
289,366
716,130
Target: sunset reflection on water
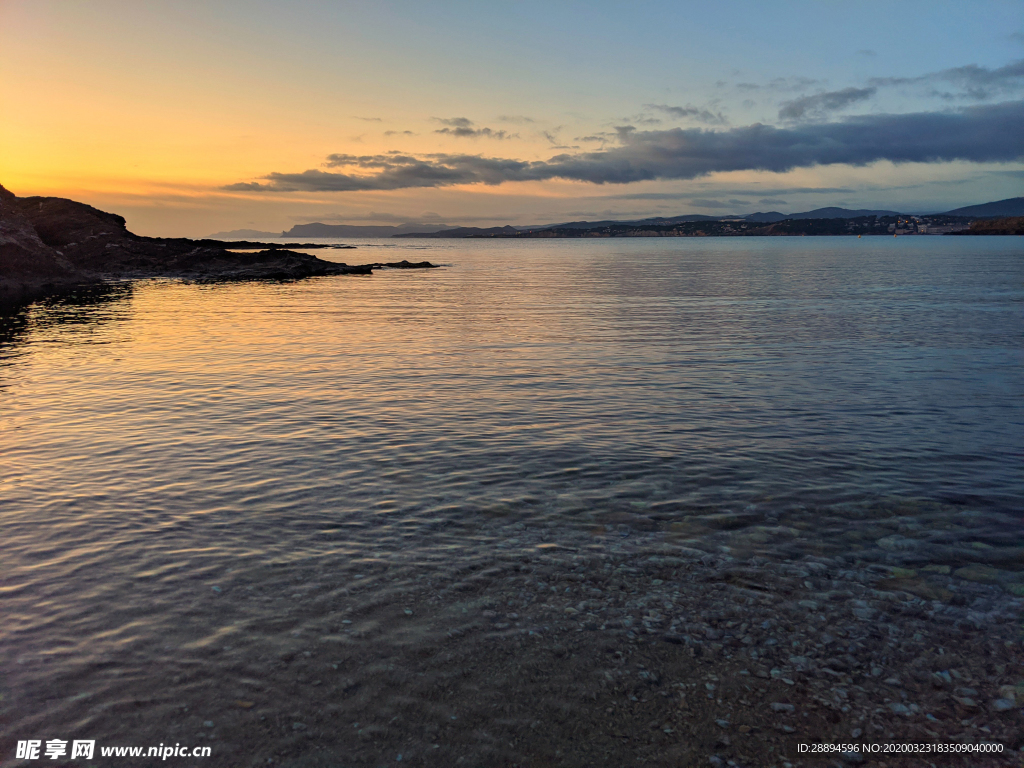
162,439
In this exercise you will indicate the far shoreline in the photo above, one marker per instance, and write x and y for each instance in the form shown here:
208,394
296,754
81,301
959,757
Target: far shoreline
862,226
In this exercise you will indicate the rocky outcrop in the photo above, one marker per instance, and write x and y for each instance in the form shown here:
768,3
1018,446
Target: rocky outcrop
25,259
51,242
403,264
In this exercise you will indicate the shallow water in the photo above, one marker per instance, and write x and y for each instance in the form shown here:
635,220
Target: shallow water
163,442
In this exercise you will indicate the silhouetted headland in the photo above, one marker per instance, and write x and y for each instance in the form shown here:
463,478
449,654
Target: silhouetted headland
50,243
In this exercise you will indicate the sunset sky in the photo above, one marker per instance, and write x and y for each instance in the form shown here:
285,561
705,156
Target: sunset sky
195,117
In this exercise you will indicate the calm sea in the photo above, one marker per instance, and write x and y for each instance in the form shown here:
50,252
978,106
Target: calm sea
161,438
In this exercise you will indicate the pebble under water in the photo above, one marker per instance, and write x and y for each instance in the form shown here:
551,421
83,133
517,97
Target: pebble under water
522,509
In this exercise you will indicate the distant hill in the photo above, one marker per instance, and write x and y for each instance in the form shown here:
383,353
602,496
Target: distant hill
242,234
1013,206
768,218
840,213
818,213
317,229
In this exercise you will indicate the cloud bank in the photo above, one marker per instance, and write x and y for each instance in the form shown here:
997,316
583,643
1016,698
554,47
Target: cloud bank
989,133
701,115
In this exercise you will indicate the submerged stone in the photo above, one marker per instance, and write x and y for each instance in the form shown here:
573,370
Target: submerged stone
983,574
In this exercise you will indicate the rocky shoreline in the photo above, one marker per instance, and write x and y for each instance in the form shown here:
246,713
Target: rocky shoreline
50,244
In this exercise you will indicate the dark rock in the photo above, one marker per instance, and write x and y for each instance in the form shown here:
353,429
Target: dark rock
25,259
403,264
48,241
79,228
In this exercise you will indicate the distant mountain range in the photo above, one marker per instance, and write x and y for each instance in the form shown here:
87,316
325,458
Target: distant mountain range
817,213
1013,206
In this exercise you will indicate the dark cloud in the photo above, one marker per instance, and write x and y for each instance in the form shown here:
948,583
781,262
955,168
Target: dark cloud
989,133
655,196
754,192
515,119
700,202
820,104
399,133
369,119
474,133
455,122
395,171
781,84
652,196
701,115
978,83
772,201
462,128
794,191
